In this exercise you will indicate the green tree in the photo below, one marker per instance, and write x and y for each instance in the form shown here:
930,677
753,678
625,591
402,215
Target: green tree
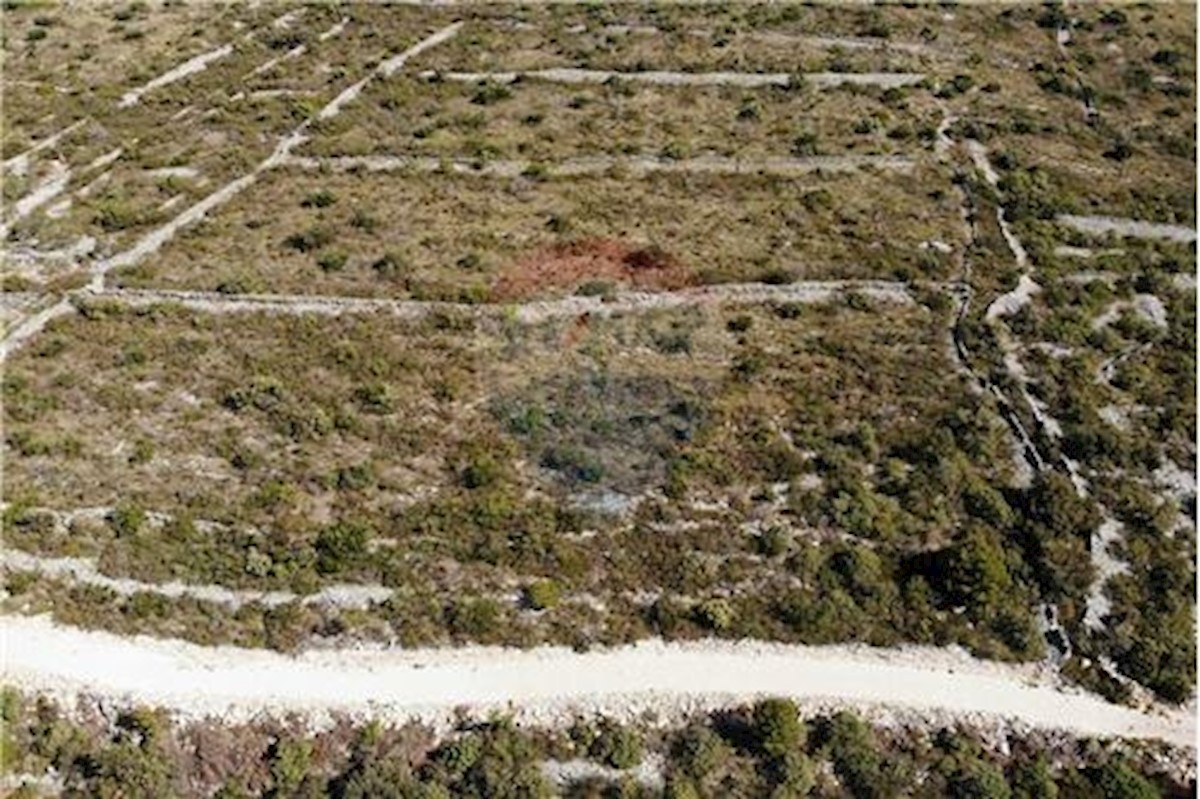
715,614
1034,780
856,760
1116,780
290,763
506,767
976,571
979,780
778,728
474,618
128,771
126,519
699,752
794,775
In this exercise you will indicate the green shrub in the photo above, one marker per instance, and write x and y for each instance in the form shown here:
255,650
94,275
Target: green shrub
364,221
114,214
805,145
574,463
356,478
322,198
1116,780
772,542
596,288
470,262
485,468
312,239
389,265
342,547
143,451
375,398
126,519
856,759
332,261
542,595
474,618
716,614
491,93
290,764
778,729
617,746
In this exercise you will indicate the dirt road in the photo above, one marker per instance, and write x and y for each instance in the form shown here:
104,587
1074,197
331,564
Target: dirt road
546,685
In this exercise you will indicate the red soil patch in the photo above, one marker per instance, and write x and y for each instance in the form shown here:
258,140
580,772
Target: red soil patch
572,264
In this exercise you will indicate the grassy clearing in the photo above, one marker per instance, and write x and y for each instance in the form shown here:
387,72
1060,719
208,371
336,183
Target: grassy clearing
460,465
539,120
438,236
488,46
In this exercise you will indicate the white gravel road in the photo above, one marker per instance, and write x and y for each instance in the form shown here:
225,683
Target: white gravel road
85,571
190,67
1134,228
531,312
547,685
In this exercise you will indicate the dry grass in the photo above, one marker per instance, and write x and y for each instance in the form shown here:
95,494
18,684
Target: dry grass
533,119
210,123
745,38
92,52
447,236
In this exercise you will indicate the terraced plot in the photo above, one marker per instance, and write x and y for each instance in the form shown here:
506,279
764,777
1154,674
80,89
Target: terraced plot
542,120
405,328
473,238
415,442
751,38
113,175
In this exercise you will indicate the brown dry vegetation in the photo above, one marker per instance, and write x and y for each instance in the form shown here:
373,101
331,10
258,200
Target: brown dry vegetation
754,38
200,123
541,120
437,236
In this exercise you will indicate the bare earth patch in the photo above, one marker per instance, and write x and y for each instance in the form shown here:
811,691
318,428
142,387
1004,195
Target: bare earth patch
571,265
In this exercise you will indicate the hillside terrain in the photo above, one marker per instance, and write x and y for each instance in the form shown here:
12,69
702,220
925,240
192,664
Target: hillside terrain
489,394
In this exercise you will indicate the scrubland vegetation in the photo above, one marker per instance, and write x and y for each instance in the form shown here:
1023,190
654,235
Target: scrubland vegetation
451,237
459,463
213,125
819,473
767,749
541,120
